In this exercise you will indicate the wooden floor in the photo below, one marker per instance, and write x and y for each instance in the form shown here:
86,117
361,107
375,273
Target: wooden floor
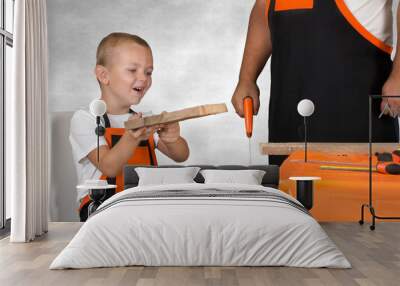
375,257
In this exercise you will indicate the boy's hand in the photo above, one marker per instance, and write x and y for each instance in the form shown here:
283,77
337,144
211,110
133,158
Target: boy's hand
169,133
142,133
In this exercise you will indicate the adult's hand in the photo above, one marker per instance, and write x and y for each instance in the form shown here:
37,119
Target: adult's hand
390,88
243,90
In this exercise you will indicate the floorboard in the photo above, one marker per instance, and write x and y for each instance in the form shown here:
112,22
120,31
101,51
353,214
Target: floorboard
374,255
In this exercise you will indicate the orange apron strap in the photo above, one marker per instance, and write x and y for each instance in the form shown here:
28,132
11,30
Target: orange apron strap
283,5
84,201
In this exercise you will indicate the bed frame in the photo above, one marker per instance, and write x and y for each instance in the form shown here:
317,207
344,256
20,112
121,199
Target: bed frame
270,179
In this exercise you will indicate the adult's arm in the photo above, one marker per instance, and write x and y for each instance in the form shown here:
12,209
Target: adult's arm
257,51
392,85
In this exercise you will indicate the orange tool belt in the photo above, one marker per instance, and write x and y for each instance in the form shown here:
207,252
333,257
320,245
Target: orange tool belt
144,155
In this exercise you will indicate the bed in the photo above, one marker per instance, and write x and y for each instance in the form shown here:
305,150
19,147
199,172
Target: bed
201,224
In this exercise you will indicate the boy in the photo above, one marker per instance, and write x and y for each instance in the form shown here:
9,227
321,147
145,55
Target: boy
124,65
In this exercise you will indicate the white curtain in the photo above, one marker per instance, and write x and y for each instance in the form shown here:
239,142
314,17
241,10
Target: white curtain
27,144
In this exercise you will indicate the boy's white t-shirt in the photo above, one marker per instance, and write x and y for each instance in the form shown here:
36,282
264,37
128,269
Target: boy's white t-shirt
84,140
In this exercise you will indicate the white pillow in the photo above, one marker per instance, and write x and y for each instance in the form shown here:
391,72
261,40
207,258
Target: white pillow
248,177
162,176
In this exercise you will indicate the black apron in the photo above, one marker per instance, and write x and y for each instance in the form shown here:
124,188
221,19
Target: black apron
318,55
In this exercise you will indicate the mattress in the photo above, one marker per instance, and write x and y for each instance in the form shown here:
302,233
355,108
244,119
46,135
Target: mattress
201,225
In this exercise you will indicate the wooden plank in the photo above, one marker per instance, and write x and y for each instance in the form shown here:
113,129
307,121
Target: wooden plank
179,115
346,148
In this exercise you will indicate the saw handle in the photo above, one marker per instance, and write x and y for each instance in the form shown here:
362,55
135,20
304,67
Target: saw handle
396,156
389,163
388,168
248,115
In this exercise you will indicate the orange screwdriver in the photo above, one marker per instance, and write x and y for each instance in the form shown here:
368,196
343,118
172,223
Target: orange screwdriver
248,115
248,121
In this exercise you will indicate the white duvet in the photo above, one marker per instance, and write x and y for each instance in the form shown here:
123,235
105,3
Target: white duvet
200,231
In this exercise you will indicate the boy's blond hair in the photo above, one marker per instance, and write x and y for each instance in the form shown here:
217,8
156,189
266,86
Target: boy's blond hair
108,43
